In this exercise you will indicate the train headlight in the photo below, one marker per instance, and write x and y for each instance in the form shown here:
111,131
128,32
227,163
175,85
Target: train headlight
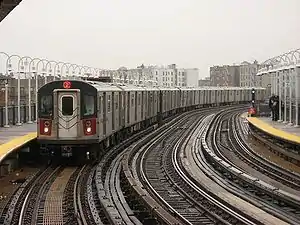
46,130
88,129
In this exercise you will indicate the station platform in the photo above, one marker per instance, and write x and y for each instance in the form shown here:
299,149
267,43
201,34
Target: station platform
15,137
276,129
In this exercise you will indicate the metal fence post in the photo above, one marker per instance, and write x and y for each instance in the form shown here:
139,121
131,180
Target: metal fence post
29,99
280,96
291,74
6,104
36,95
285,75
297,95
19,100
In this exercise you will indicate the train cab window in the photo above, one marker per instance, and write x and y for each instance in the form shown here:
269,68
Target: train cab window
46,105
67,105
88,105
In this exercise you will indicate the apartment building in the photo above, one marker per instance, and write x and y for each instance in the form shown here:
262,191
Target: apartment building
226,75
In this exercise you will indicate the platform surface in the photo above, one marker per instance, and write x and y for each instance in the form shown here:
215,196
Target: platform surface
276,129
15,137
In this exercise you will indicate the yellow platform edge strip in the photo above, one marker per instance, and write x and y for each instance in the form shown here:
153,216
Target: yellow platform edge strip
15,143
273,131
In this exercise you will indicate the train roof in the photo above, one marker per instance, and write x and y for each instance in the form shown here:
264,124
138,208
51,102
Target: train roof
130,87
167,88
175,88
103,86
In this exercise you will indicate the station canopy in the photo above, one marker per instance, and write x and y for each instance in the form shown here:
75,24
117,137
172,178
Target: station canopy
6,6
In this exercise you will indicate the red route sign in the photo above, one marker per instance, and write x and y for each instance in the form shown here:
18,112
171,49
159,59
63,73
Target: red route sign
67,84
252,111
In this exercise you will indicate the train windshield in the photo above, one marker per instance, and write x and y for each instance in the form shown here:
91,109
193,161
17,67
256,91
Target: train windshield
67,103
46,105
88,105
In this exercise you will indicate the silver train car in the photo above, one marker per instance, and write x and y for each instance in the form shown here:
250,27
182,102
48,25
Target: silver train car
84,118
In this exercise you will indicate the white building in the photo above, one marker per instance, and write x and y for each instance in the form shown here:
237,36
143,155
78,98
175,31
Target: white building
164,76
248,73
181,77
248,77
191,77
168,76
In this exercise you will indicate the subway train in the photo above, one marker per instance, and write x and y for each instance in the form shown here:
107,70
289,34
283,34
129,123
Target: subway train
83,118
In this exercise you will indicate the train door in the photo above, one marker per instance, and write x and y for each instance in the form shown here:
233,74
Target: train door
68,113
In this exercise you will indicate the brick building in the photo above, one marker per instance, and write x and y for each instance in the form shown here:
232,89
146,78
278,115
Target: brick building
226,75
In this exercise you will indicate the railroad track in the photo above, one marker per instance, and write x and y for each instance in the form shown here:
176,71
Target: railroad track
233,138
20,200
279,202
106,189
58,196
157,168
280,174
13,202
161,176
288,151
147,164
81,204
51,209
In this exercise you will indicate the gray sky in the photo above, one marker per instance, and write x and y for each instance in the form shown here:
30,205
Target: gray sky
190,33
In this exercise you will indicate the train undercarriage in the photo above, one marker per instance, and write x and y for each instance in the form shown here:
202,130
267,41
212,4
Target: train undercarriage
71,152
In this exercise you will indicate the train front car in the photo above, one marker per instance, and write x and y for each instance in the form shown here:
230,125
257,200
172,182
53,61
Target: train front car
67,118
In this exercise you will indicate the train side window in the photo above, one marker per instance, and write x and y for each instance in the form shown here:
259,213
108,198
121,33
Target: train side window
139,99
108,103
132,100
46,105
67,105
117,101
100,104
88,105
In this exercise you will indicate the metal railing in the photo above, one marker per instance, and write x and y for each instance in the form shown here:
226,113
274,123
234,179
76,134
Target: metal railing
12,114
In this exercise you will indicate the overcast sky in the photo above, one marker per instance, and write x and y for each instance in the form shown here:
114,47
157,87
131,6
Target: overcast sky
190,33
